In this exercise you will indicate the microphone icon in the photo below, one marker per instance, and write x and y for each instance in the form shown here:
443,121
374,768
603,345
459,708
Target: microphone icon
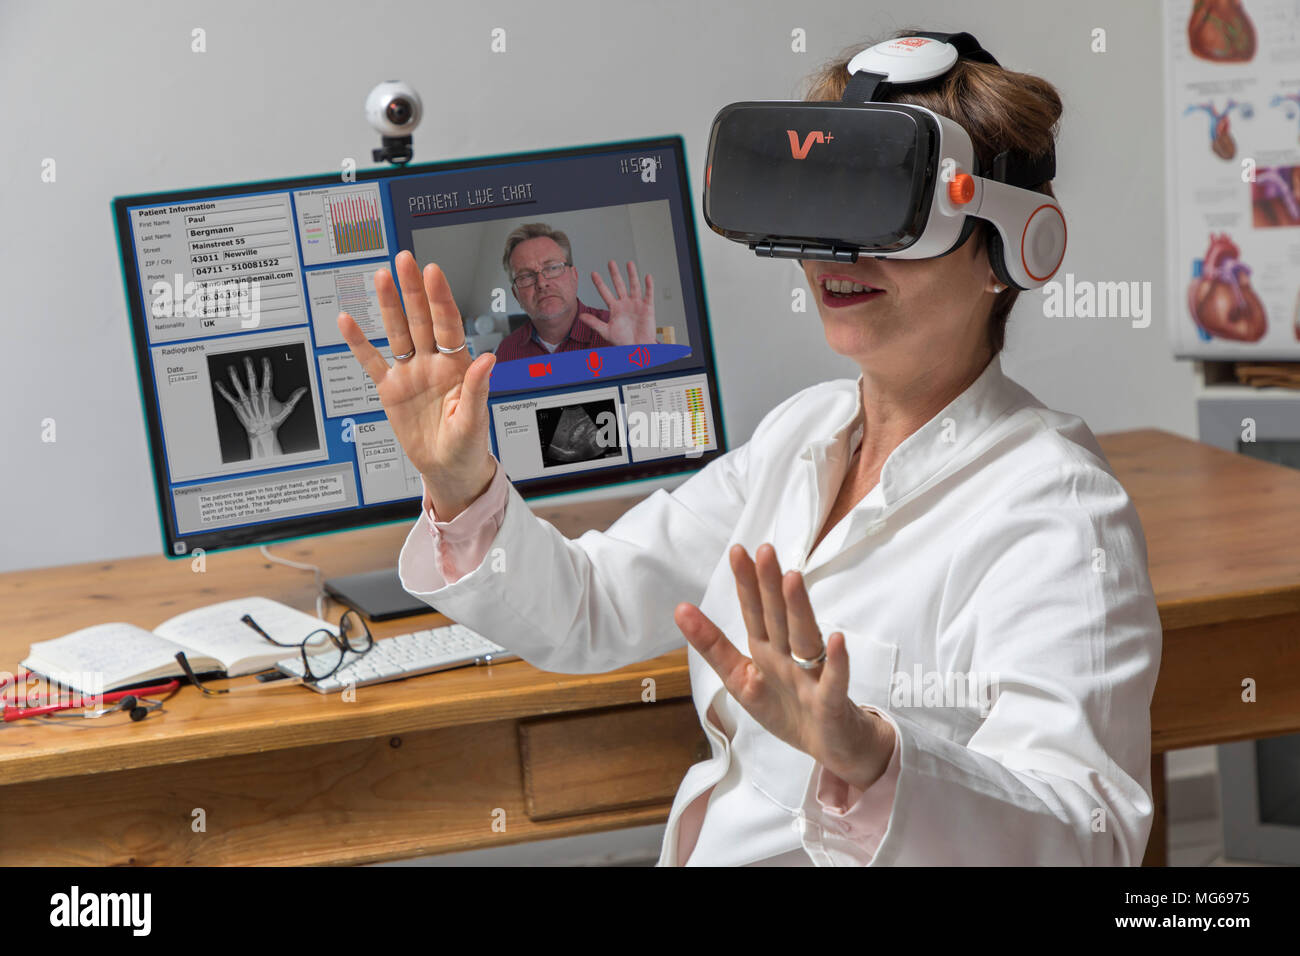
593,363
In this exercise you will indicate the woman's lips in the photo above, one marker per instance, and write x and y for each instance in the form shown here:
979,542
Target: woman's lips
841,300
834,301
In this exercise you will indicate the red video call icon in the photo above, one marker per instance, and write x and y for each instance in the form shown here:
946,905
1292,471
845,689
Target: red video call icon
538,369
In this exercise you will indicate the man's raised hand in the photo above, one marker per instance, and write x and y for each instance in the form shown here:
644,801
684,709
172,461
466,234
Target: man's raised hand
631,308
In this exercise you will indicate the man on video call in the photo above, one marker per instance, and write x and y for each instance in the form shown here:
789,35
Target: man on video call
539,261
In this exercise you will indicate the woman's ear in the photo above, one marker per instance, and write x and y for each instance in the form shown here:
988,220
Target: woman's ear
991,281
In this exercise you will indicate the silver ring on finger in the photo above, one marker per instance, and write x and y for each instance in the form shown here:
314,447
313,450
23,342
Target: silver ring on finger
806,664
405,356
455,350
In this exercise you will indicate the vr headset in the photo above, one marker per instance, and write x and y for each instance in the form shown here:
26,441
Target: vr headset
834,181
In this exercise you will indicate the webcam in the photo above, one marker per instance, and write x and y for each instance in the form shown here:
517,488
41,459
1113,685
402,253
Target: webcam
394,109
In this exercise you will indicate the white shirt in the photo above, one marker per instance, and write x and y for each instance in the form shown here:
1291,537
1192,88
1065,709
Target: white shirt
997,552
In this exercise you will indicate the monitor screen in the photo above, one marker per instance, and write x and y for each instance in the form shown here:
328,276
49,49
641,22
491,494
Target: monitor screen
234,293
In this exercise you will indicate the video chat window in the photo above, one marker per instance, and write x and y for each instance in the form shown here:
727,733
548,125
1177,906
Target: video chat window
642,233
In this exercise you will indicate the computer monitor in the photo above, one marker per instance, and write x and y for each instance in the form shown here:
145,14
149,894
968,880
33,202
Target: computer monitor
235,289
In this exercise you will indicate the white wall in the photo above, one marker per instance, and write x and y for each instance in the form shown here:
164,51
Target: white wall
113,93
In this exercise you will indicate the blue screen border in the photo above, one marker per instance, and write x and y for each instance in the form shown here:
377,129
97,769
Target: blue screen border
406,510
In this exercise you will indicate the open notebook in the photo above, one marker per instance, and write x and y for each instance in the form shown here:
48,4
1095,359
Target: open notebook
213,638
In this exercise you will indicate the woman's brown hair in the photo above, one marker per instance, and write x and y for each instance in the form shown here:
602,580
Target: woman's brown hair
999,108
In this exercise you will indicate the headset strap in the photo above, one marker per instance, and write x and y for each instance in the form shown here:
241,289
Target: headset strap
1012,168
1016,169
967,46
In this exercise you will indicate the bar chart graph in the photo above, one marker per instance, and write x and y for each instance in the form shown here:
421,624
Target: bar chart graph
355,223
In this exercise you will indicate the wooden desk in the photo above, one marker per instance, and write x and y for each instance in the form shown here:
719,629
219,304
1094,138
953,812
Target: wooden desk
1223,543
487,756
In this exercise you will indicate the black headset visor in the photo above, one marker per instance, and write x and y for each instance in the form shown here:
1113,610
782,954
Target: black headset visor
821,180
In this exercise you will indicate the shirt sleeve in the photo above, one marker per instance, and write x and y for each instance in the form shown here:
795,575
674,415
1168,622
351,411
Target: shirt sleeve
860,815
461,544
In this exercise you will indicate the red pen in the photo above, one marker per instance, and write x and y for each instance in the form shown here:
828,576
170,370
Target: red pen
13,713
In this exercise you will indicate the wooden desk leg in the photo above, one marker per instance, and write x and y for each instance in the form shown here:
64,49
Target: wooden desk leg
1158,845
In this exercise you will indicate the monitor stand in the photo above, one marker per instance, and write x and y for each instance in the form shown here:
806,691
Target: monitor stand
378,595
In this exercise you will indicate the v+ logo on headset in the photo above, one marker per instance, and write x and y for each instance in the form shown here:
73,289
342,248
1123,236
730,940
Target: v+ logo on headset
801,151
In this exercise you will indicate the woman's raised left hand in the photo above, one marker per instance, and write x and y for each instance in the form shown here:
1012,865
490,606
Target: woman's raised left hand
808,709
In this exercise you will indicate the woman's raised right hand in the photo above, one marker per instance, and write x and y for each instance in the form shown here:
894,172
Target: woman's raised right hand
436,403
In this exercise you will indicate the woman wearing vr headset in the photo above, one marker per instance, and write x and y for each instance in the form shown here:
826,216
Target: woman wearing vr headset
917,603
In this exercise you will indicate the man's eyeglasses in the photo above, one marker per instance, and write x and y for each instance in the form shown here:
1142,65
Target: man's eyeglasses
323,651
526,280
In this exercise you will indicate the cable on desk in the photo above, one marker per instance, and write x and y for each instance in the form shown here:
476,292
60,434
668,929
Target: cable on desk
320,588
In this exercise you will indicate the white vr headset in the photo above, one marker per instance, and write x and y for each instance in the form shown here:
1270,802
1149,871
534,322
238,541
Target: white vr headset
834,181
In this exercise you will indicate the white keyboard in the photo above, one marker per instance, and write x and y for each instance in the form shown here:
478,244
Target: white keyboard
406,655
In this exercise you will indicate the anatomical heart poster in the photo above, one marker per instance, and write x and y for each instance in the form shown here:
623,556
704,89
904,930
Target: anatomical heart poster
1232,125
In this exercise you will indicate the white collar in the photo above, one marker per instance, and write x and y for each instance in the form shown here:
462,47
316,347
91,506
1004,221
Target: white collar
938,444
